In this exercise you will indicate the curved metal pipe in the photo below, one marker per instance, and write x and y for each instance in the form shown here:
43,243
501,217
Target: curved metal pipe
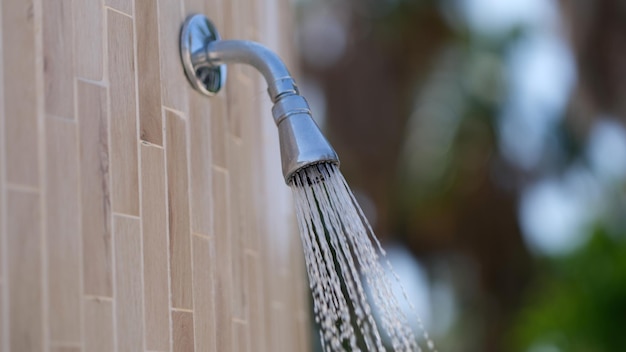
204,57
279,81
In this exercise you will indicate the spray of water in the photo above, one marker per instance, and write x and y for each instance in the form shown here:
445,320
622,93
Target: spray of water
341,250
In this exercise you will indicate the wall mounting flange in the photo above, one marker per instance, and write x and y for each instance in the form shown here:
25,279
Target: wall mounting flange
195,34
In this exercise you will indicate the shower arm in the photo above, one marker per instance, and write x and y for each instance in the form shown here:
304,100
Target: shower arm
281,87
204,57
278,78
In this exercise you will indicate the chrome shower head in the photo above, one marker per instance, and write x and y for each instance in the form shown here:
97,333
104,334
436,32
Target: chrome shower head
302,144
204,56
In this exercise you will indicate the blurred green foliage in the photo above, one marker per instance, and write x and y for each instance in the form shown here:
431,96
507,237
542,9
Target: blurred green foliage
578,302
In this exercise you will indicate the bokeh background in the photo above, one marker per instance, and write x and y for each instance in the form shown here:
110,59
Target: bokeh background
485,141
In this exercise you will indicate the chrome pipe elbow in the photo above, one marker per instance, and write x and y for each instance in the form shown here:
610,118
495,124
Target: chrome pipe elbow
204,57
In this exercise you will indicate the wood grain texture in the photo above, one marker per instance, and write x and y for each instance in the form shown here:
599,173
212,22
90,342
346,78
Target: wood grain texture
2,179
227,25
155,249
62,221
125,6
95,189
148,71
20,95
182,328
248,17
223,260
3,276
236,228
58,58
173,78
24,276
200,164
98,325
124,162
278,314
237,93
88,39
128,284
139,214
256,309
204,294
300,298
197,6
178,207
219,132
240,337
3,338
64,348
3,145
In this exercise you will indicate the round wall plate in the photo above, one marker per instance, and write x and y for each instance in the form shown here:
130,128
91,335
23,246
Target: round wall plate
196,33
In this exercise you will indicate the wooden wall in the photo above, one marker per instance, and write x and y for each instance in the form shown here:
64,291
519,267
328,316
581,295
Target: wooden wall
136,214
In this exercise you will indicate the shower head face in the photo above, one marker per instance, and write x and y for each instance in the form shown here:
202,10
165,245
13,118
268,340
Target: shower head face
302,144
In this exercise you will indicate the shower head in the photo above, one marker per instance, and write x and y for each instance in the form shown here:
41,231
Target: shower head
204,57
302,144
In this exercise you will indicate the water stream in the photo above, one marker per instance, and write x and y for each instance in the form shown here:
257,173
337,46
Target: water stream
342,256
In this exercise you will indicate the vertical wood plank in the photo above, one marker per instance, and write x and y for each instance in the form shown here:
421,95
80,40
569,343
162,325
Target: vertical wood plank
182,324
58,51
63,230
125,6
232,309
237,98
173,78
148,71
223,260
178,200
124,163
219,131
88,40
25,284
240,338
20,109
3,321
2,180
276,317
300,297
254,161
204,294
64,349
256,312
95,194
3,277
216,7
236,228
228,26
196,6
155,248
200,159
98,325
128,284
248,19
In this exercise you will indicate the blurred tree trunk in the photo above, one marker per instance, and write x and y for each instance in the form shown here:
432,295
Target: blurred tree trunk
370,94
369,97
597,32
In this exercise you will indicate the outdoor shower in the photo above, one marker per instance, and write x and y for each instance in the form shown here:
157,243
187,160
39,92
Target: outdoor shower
205,57
341,250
